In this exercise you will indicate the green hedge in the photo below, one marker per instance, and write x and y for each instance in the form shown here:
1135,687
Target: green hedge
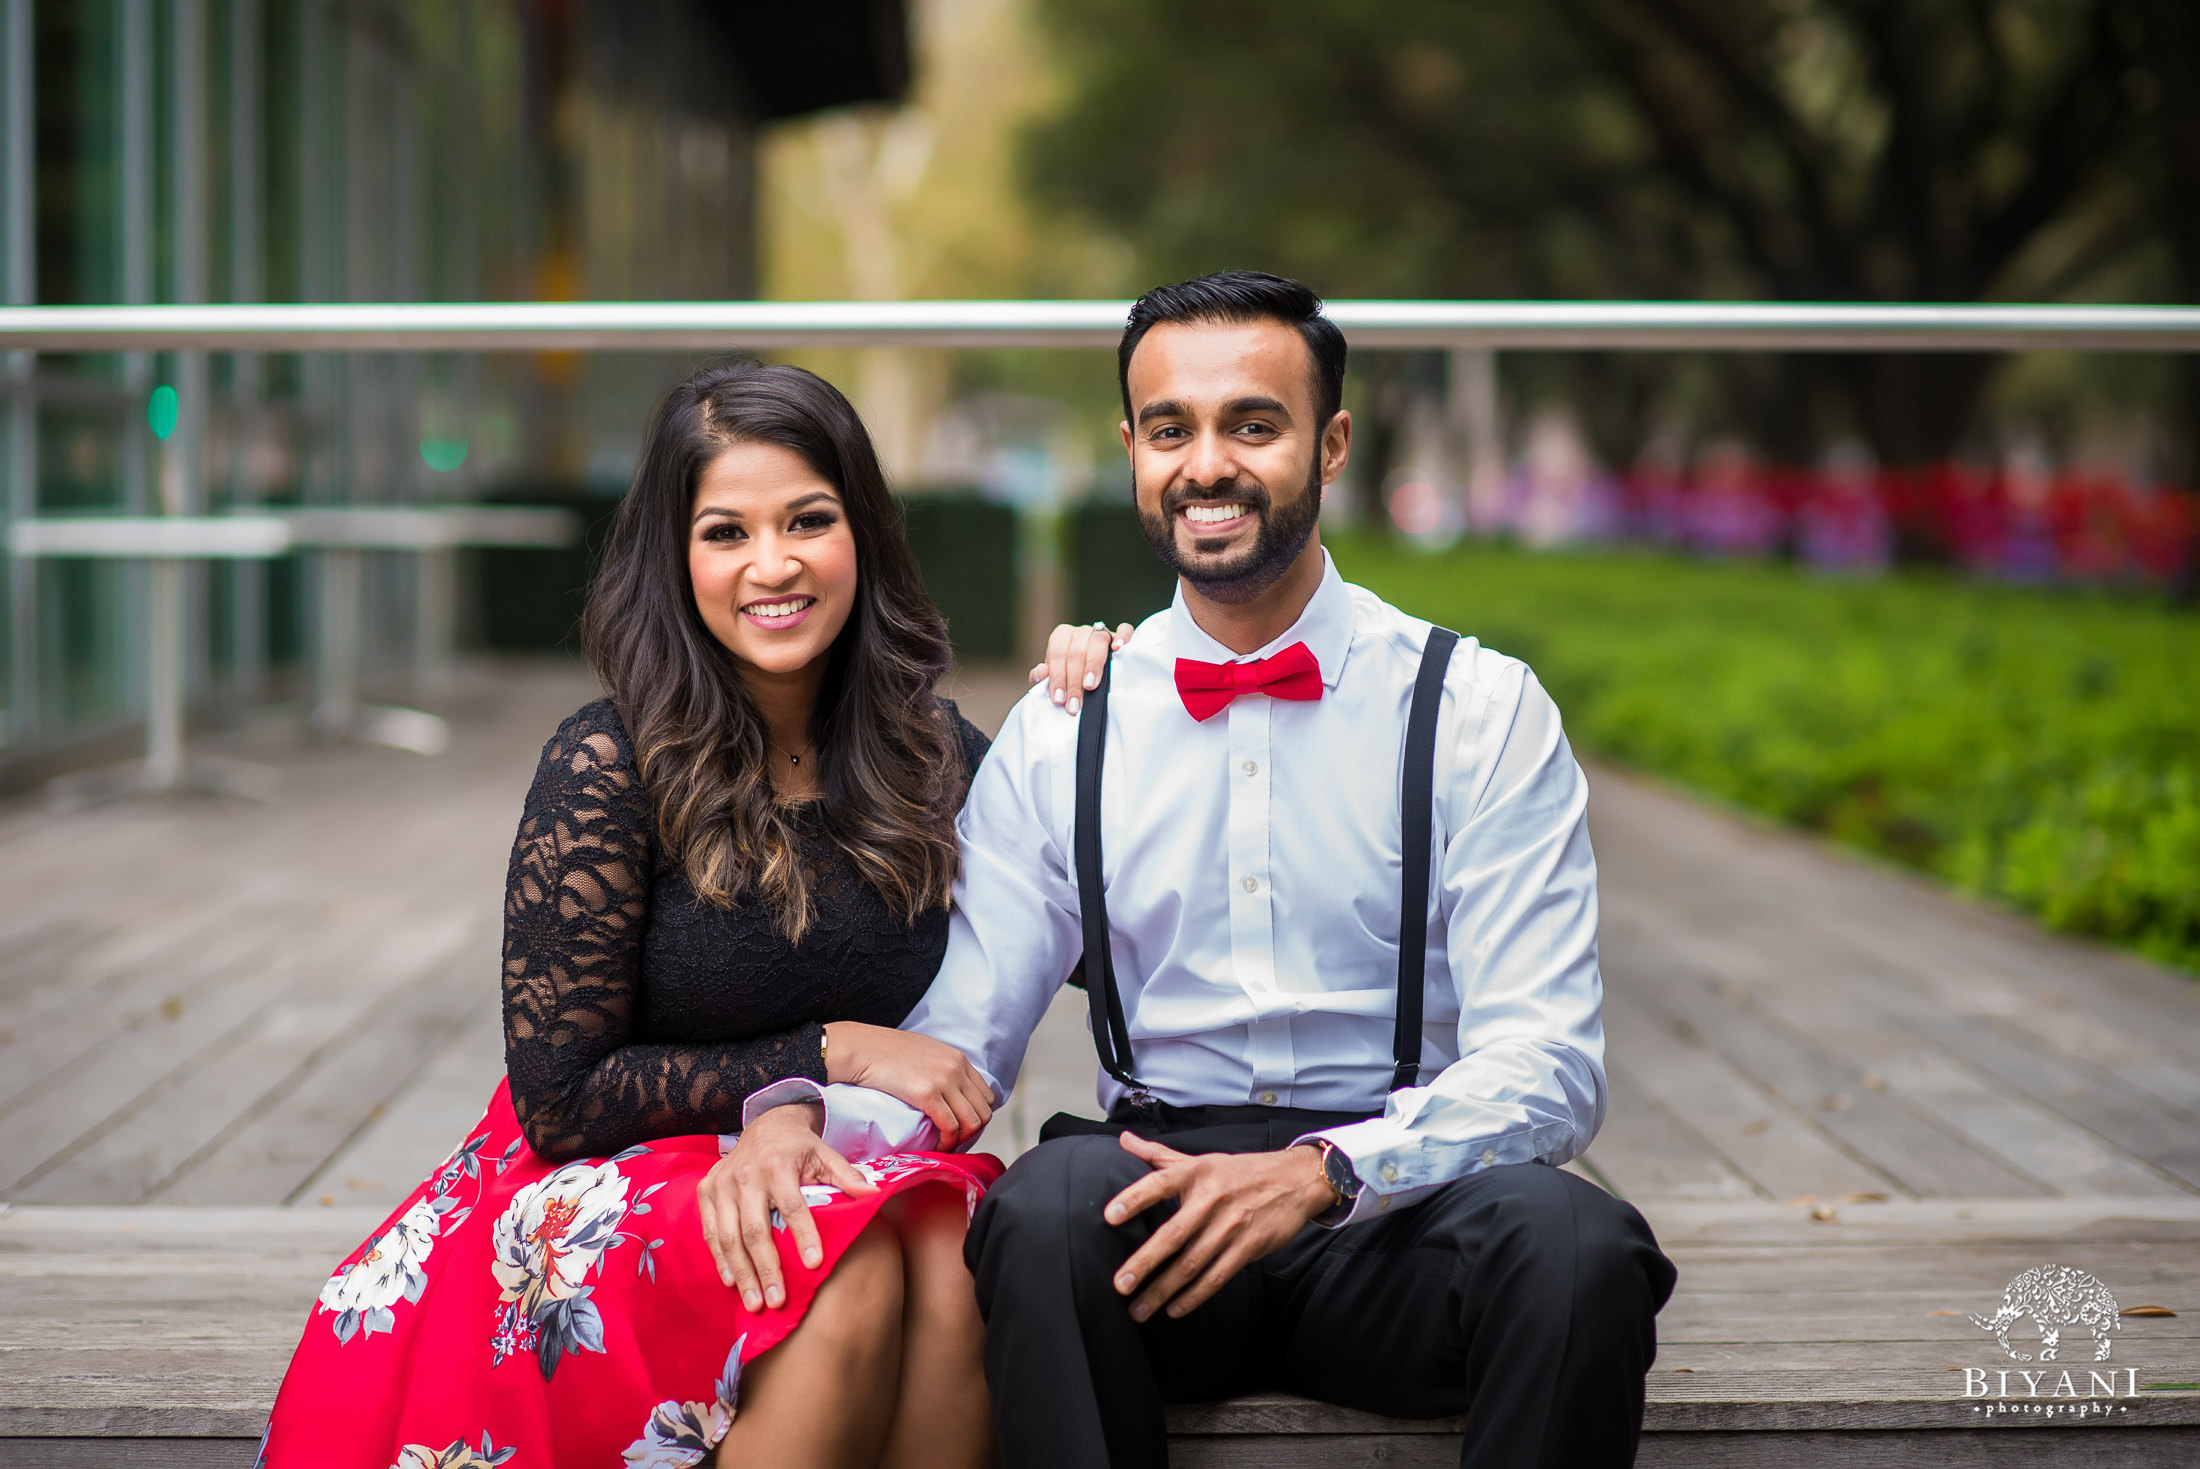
2040,748
1113,576
966,548
529,599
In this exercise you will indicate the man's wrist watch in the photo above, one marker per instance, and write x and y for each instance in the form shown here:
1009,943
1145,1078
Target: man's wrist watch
1343,1182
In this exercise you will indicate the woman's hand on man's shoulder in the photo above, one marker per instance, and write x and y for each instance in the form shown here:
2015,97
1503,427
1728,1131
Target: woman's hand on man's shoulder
1075,656
929,1075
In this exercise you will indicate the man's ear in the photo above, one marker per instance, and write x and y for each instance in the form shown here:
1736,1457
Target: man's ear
1336,446
1124,428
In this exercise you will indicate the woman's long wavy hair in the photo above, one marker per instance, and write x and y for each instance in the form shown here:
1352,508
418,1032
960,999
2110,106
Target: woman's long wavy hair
887,759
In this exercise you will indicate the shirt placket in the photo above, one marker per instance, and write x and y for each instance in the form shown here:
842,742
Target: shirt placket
1268,1052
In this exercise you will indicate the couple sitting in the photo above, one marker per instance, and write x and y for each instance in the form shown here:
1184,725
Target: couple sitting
1332,897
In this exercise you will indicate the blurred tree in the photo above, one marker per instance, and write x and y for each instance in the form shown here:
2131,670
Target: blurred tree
1951,150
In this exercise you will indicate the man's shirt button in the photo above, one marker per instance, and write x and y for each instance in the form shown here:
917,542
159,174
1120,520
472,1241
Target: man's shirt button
1252,884
1268,1099
1489,1156
1252,767
1390,1173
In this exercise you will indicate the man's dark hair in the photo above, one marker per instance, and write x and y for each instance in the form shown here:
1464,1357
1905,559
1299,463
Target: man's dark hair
1239,296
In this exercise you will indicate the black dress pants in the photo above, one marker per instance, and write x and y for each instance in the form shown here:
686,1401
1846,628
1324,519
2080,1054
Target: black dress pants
1520,1295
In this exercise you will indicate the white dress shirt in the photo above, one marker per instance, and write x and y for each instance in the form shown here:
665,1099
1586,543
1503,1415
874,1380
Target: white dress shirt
1252,868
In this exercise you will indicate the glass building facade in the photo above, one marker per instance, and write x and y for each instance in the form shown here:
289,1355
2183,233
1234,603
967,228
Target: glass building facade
353,150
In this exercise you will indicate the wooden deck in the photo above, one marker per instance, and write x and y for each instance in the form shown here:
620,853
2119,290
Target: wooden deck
232,1036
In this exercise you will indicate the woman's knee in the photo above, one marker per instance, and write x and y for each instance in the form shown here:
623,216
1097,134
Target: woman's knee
858,1308
931,1224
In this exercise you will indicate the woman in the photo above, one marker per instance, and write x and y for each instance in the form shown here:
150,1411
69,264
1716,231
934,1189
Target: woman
732,871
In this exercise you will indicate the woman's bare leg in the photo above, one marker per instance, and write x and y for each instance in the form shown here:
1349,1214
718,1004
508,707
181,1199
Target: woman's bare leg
824,1397
943,1415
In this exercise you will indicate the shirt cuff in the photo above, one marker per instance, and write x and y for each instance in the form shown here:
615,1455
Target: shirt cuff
860,1124
1397,1168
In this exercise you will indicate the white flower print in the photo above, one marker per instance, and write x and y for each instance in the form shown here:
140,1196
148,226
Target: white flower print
392,1269
459,1455
678,1434
545,1243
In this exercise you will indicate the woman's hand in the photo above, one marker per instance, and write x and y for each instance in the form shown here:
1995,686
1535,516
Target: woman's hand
931,1076
1075,656
779,1153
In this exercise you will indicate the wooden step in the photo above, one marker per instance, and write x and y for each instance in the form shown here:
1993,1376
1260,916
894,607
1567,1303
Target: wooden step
157,1335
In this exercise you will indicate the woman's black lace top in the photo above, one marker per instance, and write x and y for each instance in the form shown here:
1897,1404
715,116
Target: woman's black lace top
635,1010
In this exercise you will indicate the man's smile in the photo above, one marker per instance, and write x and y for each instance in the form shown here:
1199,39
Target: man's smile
1216,519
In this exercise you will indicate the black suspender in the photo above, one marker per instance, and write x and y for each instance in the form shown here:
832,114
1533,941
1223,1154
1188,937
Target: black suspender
1416,807
1110,1033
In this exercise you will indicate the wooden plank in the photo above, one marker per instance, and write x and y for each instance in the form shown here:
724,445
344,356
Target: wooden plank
1766,1141
152,1320
1844,1013
291,1134
420,1126
121,1072
129,1453
267,1053
1837,1094
1644,1153
2095,1100
1874,1018
1963,953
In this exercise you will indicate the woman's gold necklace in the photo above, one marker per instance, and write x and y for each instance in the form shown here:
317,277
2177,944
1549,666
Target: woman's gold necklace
792,759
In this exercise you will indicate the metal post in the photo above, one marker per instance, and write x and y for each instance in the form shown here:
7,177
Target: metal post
18,164
248,579
134,221
435,622
336,664
165,651
185,458
1472,386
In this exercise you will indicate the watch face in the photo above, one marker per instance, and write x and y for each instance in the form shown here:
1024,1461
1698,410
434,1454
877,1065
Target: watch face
1339,1171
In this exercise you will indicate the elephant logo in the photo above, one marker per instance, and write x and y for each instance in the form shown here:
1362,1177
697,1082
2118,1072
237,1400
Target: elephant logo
2054,1296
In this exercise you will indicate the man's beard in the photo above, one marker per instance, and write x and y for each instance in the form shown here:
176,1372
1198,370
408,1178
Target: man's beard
1281,536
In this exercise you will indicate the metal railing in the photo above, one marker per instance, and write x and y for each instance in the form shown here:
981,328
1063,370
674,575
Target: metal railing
605,326
165,542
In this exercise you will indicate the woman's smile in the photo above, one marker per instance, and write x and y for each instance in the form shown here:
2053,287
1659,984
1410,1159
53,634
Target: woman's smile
778,614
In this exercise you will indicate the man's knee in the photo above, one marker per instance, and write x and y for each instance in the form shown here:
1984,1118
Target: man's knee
1049,1201
1563,1229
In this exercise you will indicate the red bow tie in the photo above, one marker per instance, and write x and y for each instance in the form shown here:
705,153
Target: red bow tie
1208,688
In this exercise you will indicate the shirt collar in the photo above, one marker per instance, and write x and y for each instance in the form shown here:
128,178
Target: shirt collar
1325,626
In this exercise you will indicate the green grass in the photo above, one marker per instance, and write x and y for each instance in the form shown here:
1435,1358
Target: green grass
2041,748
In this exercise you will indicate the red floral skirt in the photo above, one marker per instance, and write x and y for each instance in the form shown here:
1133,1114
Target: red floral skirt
514,1313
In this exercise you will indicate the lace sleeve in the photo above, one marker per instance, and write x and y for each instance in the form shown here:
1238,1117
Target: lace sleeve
575,908
970,741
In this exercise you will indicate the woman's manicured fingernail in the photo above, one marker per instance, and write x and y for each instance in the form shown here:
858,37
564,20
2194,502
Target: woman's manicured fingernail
748,1299
1059,696
1126,1281
1092,680
812,1259
1175,1310
1141,1311
776,1296
1073,705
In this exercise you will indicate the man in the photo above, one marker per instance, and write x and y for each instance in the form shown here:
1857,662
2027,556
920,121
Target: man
1263,1210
